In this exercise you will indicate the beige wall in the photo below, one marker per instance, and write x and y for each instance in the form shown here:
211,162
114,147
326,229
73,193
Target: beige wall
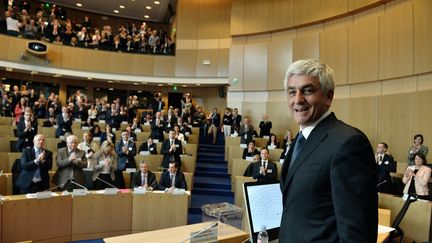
381,58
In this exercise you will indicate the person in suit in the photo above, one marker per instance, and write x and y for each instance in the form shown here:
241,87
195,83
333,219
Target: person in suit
329,176
250,168
236,121
113,116
108,134
172,178
35,163
264,170
417,147
132,134
265,127
89,147
169,119
246,132
64,122
26,131
126,151
250,151
215,122
148,146
385,165
104,166
227,122
70,164
171,149
416,177
144,178
286,144
158,104
157,127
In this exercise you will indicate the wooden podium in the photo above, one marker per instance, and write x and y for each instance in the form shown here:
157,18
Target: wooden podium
226,234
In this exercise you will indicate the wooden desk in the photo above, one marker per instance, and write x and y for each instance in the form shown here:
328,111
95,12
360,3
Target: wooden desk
99,215
226,234
6,184
28,219
156,210
188,177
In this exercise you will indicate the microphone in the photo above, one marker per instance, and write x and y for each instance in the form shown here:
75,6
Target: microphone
77,184
106,183
152,184
54,187
382,182
209,227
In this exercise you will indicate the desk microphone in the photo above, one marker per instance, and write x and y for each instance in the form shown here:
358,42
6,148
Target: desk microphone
61,185
106,183
382,182
209,227
77,184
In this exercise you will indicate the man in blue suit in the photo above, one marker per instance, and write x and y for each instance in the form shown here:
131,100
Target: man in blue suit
36,161
126,151
329,176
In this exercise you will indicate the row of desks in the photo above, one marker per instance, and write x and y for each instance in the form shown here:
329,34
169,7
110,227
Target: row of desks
64,218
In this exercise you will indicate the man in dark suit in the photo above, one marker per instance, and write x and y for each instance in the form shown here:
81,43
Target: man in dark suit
35,163
385,165
236,120
148,146
157,127
247,131
265,170
70,164
144,178
26,131
171,150
215,122
64,122
126,151
172,178
113,116
329,176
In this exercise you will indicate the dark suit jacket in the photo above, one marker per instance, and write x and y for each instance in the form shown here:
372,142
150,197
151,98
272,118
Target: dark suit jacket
157,131
63,126
270,175
165,182
151,180
265,128
168,156
247,154
144,147
329,193
125,160
246,137
25,138
29,168
384,178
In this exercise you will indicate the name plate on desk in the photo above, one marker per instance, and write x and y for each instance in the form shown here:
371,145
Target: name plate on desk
249,158
243,145
79,192
139,190
110,191
137,130
84,128
77,119
281,161
178,192
43,195
102,121
209,235
144,153
124,122
131,170
155,140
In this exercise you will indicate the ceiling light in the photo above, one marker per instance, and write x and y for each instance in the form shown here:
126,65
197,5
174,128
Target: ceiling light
34,72
3,78
110,81
156,2
116,11
57,75
79,4
122,6
184,85
148,7
160,85
139,91
97,89
9,69
89,78
136,83
111,89
146,16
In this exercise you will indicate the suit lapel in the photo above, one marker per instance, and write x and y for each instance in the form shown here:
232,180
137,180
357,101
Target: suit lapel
317,135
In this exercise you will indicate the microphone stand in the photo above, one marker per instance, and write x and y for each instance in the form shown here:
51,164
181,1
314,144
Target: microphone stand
106,183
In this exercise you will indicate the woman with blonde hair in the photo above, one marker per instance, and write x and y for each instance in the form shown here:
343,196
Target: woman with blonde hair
104,166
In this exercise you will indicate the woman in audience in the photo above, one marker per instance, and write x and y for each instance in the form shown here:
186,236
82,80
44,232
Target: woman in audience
250,151
92,114
96,131
272,143
89,147
19,109
104,166
108,135
178,135
417,176
417,147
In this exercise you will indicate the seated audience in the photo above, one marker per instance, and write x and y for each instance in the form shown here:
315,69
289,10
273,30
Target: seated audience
148,146
126,151
172,178
417,147
108,134
89,147
273,143
64,122
144,178
265,170
416,177
250,151
171,149
104,166
250,168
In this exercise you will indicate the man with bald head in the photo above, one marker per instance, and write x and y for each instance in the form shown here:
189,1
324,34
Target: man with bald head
36,161
70,162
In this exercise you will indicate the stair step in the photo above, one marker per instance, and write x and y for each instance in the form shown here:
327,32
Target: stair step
213,180
209,174
211,161
198,200
213,192
211,154
207,169
205,186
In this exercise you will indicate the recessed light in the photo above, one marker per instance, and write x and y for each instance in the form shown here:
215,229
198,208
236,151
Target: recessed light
57,75
146,16
148,7
3,78
160,85
184,86
79,4
116,11
156,2
139,91
122,6
97,89
110,81
89,78
198,84
136,83
9,69
111,89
